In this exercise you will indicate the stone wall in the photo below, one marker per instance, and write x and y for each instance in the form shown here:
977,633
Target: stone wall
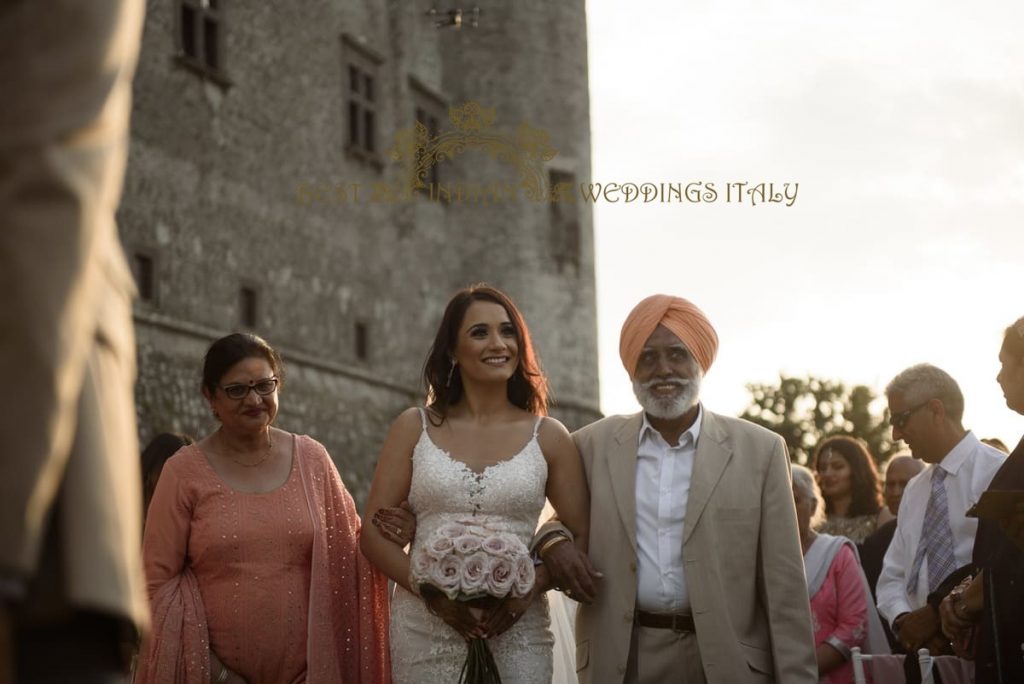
212,195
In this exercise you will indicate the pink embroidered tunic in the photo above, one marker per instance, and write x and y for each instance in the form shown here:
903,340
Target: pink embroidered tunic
839,613
272,582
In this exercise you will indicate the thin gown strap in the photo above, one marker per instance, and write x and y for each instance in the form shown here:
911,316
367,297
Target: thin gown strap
536,426
423,417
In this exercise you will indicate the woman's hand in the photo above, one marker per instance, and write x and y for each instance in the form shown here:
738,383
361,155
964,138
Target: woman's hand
457,614
397,524
506,614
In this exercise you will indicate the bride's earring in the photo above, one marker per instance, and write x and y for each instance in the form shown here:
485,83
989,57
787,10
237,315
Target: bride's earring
451,372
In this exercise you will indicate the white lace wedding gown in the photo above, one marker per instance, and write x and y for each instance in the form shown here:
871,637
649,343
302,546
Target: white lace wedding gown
423,647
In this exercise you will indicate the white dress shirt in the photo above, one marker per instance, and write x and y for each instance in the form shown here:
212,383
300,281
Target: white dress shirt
662,489
970,467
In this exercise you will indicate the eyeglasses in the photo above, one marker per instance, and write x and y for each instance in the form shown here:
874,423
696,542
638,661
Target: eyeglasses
898,420
261,387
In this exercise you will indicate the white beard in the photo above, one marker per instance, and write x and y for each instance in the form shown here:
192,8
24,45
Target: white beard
672,408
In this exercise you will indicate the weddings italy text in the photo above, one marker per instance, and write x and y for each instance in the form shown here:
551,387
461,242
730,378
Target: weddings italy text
747,193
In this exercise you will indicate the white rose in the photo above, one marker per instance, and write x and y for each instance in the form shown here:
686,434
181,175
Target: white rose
439,546
451,530
446,575
419,567
525,575
501,577
474,573
467,544
496,546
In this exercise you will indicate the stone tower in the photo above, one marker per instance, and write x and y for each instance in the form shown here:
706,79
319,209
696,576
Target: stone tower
261,195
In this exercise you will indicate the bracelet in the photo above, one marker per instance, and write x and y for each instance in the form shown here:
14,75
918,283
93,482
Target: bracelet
555,540
223,676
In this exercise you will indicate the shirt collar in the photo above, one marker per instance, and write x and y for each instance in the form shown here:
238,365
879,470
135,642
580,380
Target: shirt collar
648,431
952,461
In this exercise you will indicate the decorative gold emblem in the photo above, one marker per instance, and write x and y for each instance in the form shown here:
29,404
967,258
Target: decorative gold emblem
526,152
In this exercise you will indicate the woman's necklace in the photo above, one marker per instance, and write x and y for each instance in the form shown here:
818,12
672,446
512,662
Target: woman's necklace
270,450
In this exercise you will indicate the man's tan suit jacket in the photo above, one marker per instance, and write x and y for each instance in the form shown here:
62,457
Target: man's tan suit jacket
741,552
70,505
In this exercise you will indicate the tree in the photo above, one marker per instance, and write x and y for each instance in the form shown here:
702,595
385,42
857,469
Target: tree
803,411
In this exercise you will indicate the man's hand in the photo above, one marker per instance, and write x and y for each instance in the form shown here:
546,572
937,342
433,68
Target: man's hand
460,615
571,570
396,524
917,628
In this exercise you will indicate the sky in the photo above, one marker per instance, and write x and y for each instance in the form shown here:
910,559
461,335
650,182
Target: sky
903,124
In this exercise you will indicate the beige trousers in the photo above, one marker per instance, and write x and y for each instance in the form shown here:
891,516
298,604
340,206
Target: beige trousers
660,656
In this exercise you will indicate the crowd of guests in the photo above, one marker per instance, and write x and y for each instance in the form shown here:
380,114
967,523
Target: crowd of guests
246,586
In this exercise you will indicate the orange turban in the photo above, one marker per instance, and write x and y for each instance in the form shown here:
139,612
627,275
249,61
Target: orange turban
682,317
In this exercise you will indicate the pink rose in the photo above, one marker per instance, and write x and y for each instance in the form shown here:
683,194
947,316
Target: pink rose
439,546
451,530
419,567
467,544
446,575
501,577
496,546
524,576
474,573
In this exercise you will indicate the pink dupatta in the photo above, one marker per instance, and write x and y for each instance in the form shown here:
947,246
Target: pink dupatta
347,639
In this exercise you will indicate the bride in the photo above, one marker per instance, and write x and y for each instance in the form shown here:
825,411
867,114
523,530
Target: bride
482,446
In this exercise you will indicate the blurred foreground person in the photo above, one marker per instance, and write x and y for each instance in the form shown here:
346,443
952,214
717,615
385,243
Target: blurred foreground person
71,587
990,609
251,548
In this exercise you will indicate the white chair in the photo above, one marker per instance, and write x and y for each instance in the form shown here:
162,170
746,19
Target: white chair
924,658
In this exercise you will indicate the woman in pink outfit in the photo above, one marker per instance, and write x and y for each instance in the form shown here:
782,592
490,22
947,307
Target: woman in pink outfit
251,548
842,613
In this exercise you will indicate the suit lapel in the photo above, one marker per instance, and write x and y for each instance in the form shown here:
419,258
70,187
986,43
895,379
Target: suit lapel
713,455
622,469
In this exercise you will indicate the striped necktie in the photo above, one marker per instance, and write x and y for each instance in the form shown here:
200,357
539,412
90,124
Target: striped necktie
936,538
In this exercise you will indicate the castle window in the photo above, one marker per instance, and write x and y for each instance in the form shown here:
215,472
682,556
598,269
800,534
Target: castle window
144,269
361,105
428,110
248,306
565,220
362,341
200,37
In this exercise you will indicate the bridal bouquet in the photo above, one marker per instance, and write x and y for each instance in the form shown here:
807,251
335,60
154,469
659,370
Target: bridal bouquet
470,559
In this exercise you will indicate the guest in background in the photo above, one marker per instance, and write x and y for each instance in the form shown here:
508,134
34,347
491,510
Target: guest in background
901,469
251,548
841,606
933,536
849,482
156,453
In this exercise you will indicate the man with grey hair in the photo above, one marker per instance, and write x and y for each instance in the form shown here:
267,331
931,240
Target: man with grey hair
933,536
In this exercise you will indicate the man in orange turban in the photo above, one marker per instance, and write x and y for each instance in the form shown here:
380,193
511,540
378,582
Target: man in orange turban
692,524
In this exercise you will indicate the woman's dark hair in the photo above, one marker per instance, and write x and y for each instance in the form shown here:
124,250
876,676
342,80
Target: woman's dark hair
1013,340
865,487
156,453
527,388
227,351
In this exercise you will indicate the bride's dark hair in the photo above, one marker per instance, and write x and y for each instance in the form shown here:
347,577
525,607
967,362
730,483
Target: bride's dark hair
528,386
